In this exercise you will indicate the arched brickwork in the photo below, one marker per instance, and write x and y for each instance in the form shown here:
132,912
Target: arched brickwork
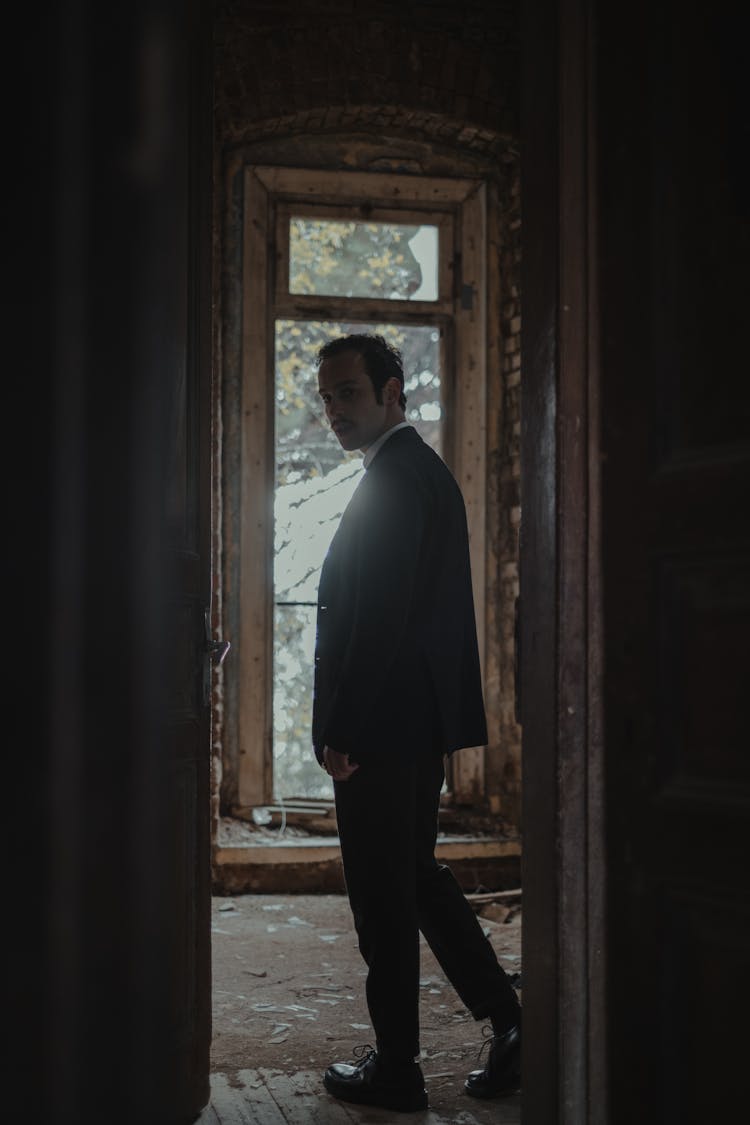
445,71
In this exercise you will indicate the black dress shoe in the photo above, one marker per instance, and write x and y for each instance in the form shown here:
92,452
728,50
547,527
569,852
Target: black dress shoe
369,1082
502,1071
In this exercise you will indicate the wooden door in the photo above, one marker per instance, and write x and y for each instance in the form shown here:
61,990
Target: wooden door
108,1013
674,192
635,564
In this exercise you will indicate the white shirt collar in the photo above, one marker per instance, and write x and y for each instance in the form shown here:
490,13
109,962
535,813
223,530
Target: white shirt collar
371,450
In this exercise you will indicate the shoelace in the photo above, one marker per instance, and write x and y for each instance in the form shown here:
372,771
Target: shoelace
363,1052
489,1036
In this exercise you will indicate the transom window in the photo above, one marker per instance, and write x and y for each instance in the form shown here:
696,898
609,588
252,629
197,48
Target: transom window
376,260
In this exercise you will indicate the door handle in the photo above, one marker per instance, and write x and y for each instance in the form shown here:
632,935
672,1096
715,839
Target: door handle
218,650
214,654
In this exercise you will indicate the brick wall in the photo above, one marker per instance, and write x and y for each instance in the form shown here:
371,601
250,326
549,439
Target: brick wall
440,69
505,778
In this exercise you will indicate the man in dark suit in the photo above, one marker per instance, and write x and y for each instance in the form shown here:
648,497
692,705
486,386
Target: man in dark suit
397,688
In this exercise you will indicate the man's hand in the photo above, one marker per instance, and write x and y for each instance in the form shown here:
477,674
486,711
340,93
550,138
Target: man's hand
338,765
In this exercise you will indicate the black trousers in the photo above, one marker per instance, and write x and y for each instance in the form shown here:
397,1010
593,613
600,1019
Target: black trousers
388,819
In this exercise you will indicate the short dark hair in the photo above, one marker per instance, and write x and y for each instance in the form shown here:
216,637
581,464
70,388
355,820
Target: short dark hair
382,360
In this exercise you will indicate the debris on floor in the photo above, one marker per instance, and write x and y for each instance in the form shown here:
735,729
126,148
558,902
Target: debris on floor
289,999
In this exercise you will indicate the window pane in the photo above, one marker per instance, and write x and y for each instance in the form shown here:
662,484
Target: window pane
315,479
354,259
295,770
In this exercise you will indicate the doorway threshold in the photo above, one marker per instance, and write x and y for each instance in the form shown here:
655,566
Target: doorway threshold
279,863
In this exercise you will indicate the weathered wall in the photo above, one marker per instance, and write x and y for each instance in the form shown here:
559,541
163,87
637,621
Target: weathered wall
340,64
503,761
418,88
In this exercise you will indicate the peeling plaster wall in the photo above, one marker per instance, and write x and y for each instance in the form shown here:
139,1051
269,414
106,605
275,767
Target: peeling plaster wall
416,88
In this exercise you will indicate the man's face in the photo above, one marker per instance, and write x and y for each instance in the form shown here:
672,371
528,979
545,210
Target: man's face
355,415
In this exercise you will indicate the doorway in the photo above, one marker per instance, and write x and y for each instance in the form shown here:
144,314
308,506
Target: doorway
405,256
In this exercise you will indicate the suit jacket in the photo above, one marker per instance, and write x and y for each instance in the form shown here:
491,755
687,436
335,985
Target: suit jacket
396,644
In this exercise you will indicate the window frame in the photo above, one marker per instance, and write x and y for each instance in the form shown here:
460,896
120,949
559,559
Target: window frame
271,195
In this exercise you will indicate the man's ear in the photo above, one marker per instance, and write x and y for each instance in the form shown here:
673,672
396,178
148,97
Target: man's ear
392,390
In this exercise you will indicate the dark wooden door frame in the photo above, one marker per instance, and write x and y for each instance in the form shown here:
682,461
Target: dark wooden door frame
563,872
105,254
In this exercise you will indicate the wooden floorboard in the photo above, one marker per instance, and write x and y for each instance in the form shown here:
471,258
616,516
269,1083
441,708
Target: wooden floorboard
209,1116
271,1097
243,1100
304,1101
